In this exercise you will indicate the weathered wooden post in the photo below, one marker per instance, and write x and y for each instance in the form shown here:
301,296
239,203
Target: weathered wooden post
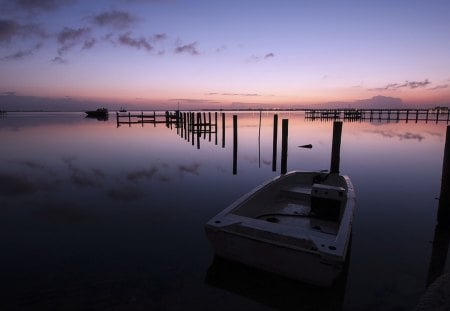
275,142
336,147
223,130
215,127
235,144
444,198
209,126
284,145
193,127
442,231
199,122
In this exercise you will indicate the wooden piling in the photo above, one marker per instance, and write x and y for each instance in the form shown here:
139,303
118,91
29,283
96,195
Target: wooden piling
284,145
275,142
336,147
223,130
444,198
235,144
193,127
215,127
441,238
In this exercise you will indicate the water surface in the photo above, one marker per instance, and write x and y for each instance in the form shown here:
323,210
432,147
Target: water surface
101,216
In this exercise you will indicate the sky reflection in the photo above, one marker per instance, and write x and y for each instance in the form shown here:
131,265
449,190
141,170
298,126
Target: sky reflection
85,202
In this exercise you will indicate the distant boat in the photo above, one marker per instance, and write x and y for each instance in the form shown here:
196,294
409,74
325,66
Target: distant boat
99,113
297,225
122,110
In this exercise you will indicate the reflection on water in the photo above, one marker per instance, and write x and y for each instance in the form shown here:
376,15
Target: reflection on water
96,215
275,291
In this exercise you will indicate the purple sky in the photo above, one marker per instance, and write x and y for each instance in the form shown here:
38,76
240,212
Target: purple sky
217,53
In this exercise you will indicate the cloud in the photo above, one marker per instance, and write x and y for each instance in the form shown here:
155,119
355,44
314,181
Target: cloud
114,19
401,136
68,38
190,48
59,60
235,94
256,59
16,185
71,35
407,84
80,177
142,174
10,29
159,37
192,169
89,43
8,93
46,5
438,87
139,43
22,53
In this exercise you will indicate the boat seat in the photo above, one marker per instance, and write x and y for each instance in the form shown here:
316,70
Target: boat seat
326,202
296,192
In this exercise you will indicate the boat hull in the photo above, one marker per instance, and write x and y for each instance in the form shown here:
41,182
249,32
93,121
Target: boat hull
291,263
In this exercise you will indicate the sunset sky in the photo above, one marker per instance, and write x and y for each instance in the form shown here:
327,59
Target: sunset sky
216,53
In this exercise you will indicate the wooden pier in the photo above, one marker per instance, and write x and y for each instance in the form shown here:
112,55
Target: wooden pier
169,118
379,115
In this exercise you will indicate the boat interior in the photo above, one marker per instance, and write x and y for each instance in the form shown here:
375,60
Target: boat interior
314,201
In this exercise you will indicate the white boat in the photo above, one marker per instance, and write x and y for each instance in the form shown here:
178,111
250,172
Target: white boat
297,225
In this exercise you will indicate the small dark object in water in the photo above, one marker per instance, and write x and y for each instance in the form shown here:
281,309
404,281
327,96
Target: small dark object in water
309,146
272,219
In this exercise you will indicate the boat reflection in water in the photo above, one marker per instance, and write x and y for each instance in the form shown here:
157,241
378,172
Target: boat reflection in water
273,290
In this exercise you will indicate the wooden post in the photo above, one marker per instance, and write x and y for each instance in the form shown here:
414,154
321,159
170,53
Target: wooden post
199,122
437,116
223,130
442,231
275,142
426,118
215,126
142,118
209,126
336,147
235,144
444,199
407,115
417,115
284,145
193,127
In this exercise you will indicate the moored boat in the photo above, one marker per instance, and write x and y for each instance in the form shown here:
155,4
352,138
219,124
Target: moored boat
99,113
297,225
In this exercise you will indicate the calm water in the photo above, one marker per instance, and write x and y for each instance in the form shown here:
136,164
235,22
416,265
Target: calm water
98,216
